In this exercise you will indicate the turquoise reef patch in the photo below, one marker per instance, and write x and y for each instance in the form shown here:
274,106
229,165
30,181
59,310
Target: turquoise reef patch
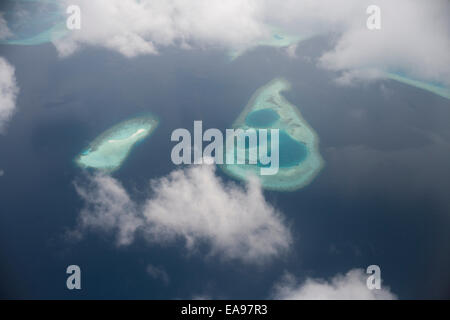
108,151
299,157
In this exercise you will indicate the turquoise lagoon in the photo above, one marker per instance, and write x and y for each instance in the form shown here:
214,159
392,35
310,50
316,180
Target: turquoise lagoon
109,150
300,160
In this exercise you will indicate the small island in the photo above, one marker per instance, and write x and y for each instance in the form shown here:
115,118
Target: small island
108,151
300,160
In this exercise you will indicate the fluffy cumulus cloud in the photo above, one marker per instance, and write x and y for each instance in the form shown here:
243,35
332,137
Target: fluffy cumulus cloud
141,27
414,36
351,286
8,92
193,205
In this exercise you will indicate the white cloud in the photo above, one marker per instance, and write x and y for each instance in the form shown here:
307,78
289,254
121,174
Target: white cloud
8,92
291,50
158,273
414,36
351,286
202,297
2,173
139,27
352,77
193,205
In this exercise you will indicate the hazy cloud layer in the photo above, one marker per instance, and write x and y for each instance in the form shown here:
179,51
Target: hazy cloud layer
414,36
193,205
351,286
8,93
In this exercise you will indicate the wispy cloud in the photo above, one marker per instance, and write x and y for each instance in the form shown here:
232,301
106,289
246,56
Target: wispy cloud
193,204
158,273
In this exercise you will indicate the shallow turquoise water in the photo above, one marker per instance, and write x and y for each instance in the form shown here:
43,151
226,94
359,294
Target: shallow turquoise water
291,151
434,87
262,118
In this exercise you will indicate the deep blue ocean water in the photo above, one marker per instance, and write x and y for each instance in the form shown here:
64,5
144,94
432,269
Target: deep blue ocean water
382,197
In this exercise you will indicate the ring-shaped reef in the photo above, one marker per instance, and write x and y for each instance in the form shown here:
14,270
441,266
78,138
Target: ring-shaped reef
299,157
